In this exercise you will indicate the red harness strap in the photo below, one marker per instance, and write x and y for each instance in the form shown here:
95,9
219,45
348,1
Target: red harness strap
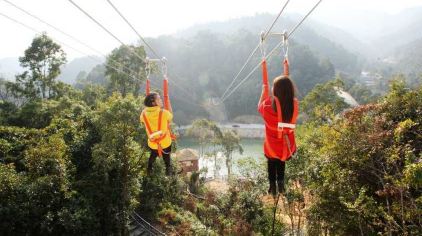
279,117
167,104
265,78
286,67
282,132
147,87
149,132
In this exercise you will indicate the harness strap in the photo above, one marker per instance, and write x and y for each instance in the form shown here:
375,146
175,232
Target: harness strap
286,66
149,131
167,104
152,135
147,87
279,116
160,149
265,78
286,125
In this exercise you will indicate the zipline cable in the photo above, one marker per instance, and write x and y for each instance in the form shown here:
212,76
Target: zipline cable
303,19
250,74
82,52
254,51
156,84
106,30
66,45
148,45
133,28
54,27
272,51
73,38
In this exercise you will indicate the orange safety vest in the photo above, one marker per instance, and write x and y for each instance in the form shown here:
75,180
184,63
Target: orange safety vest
283,145
157,136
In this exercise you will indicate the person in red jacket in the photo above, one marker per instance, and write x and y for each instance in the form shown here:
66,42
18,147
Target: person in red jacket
279,112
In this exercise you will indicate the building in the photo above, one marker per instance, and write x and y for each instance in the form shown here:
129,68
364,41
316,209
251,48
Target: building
188,159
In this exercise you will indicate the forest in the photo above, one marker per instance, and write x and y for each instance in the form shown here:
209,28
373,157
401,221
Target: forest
73,157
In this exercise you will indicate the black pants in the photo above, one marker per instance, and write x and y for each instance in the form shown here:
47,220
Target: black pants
166,157
276,170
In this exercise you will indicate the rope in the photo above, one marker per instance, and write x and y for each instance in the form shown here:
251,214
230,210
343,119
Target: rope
54,27
153,51
142,225
105,29
275,210
70,36
254,51
146,222
253,70
66,45
153,82
133,28
149,46
20,23
303,19
281,43
194,195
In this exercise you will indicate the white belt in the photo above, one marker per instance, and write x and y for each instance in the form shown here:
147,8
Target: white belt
286,125
155,134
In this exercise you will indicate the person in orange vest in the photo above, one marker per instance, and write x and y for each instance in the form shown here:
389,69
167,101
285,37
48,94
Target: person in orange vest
279,113
157,122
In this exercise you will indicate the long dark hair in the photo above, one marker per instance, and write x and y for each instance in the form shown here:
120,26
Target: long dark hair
149,100
284,90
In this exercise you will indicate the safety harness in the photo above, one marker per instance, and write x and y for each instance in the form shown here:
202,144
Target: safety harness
158,135
283,129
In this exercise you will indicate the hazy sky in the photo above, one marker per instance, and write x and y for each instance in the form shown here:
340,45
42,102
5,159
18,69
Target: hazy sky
156,17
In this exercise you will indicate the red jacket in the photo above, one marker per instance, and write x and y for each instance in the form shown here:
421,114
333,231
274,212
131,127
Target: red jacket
275,147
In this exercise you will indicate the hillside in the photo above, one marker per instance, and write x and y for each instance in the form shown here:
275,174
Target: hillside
409,58
9,67
72,69
325,40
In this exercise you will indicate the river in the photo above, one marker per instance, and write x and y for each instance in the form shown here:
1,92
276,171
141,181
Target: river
251,148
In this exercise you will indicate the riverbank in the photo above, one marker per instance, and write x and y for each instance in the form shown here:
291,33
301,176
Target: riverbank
247,131
214,159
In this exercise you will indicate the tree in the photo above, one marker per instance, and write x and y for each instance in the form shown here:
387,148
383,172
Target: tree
42,61
126,69
322,103
230,142
205,131
362,169
116,170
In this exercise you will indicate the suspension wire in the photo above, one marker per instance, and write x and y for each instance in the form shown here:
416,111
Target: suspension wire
156,84
133,28
251,73
254,51
92,57
72,37
303,19
106,30
151,49
54,27
272,51
66,45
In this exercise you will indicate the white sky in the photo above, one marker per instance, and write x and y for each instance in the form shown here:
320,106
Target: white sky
156,17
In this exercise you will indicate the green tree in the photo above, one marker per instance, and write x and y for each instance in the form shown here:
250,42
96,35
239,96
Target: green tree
116,169
42,61
230,142
322,103
362,169
126,69
205,130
